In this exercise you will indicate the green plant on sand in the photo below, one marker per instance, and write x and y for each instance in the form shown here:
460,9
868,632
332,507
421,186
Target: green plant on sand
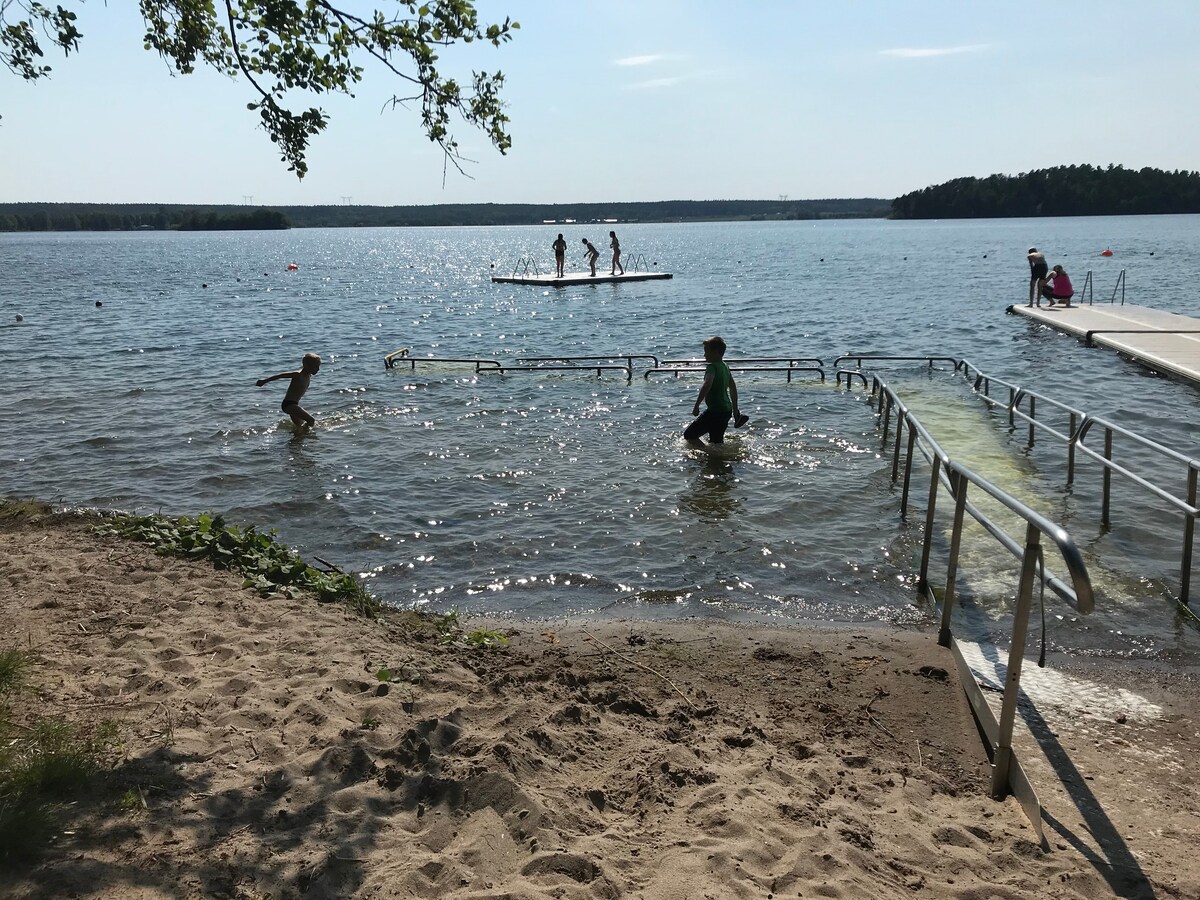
266,565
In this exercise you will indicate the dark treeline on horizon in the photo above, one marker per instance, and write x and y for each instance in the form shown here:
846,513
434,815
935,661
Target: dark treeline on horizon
255,220
166,216
1062,191
1078,190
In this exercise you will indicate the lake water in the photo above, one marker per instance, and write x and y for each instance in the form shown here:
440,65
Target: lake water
559,494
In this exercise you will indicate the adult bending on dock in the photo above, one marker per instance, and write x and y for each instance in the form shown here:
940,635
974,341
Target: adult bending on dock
616,249
1037,275
560,254
1058,287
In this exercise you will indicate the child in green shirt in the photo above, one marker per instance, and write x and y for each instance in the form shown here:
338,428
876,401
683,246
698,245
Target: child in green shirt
720,391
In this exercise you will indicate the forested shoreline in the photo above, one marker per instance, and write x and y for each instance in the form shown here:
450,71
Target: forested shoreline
166,216
1077,190
1061,191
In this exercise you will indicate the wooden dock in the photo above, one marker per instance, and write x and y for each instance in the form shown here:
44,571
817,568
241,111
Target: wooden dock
573,279
1163,341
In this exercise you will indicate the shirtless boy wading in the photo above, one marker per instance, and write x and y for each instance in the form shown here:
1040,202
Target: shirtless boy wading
309,367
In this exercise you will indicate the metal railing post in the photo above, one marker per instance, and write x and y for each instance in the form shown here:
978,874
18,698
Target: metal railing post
930,510
908,458
1032,416
1071,452
1002,761
1107,476
958,487
896,446
1189,533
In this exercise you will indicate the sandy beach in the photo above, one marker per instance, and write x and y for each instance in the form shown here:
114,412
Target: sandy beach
582,760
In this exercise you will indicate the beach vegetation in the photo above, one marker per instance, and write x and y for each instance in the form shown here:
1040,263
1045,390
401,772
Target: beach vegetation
45,762
13,664
482,637
131,801
289,51
450,630
267,565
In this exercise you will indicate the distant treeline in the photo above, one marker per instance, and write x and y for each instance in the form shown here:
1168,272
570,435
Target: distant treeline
255,220
1063,191
133,217
140,216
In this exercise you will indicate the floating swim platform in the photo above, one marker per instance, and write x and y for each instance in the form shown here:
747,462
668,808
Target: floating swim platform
573,279
1163,341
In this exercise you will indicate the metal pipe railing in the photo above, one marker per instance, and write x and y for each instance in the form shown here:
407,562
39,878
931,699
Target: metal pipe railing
929,360
598,368
747,360
1087,289
1119,286
598,363
481,365
1079,425
921,440
696,370
524,264
1186,506
1007,774
628,357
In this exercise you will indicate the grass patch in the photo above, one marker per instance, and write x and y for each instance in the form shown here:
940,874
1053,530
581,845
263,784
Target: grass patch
44,763
267,566
12,672
19,510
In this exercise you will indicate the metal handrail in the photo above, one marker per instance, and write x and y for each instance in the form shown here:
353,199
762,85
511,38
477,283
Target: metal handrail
628,357
696,370
754,360
1120,285
1007,773
389,360
481,365
983,387
1080,423
639,260
936,456
1087,289
1016,394
598,363
523,265
598,369
1110,428
930,360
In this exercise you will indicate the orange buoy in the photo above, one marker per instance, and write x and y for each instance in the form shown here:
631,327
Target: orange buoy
1106,253
292,267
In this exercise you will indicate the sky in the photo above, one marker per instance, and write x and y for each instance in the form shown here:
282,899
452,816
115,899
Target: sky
640,101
